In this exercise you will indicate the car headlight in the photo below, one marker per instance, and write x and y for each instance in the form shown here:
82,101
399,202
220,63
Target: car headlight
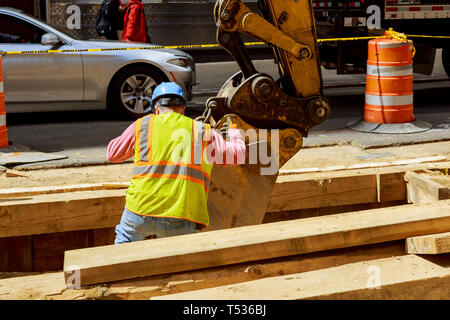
182,62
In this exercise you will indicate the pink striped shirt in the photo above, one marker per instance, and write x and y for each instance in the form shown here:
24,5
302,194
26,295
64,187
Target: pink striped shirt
222,152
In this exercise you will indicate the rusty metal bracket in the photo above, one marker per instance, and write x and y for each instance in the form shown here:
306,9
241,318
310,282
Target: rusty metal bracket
262,103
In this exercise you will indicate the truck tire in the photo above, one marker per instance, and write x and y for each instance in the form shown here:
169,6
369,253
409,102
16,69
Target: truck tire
446,60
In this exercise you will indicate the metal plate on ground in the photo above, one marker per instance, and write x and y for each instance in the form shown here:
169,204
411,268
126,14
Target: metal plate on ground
390,128
17,154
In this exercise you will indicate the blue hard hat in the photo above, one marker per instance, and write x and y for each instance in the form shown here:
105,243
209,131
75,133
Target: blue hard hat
167,89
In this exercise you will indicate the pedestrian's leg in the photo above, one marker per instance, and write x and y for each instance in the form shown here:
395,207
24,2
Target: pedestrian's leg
132,227
167,227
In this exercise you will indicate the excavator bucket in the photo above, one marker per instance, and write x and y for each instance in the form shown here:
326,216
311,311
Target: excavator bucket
274,115
239,195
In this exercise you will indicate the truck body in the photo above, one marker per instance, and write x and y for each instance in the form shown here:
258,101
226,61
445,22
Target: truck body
349,18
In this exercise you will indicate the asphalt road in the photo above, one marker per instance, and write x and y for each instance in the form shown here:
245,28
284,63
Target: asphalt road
82,136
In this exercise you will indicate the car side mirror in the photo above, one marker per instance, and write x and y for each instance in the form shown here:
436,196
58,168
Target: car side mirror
49,39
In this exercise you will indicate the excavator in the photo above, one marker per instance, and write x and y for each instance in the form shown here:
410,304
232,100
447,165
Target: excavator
274,115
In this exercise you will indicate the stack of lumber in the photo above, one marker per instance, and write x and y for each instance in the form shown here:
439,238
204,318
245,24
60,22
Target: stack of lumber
325,234
335,256
32,220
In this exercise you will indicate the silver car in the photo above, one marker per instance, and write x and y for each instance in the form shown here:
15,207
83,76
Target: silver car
119,79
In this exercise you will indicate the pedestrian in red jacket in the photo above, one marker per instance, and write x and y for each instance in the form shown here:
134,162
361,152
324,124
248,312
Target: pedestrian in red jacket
135,24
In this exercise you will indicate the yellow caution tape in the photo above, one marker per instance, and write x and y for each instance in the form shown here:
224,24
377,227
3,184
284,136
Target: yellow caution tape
188,46
400,37
396,35
389,33
348,39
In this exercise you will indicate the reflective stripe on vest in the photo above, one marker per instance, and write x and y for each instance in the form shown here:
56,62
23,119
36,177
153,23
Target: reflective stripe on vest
175,171
144,149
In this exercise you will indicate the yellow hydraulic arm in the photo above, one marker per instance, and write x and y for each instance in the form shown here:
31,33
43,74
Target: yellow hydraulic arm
293,104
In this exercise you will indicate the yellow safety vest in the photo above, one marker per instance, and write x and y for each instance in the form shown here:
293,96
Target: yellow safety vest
171,171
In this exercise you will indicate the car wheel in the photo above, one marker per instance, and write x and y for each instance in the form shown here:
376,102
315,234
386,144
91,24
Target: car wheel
131,92
446,60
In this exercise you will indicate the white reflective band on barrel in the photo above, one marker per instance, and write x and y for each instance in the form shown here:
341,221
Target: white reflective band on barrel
2,119
172,170
386,45
144,139
389,100
1,86
388,71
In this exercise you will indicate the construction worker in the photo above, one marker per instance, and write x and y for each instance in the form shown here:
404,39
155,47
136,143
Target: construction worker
173,158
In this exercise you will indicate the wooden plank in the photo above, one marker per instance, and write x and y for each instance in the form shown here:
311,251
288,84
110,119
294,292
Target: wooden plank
391,186
32,287
53,213
14,274
101,237
16,254
61,212
35,191
405,277
147,287
429,244
304,194
49,249
316,212
422,188
337,191
250,243
441,158
14,173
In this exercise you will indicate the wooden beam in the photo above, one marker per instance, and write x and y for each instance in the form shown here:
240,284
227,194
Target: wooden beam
441,158
35,191
147,287
429,244
32,287
53,213
250,243
16,254
422,188
320,190
406,277
59,209
48,249
304,194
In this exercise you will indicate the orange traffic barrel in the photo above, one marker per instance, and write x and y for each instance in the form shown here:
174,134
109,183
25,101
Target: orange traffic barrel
389,81
3,131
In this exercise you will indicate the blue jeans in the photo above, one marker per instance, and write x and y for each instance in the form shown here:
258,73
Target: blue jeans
134,227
